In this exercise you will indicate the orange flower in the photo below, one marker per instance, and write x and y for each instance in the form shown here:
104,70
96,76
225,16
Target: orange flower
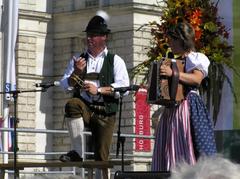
195,18
195,21
197,14
198,34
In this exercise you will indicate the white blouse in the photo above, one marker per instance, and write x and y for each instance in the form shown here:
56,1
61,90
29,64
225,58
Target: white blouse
199,61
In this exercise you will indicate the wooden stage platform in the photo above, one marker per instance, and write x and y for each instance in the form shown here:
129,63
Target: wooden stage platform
89,165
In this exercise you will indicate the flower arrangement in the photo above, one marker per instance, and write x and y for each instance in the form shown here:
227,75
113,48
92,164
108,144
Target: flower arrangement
210,38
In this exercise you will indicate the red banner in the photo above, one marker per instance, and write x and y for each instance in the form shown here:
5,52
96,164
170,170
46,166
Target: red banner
142,111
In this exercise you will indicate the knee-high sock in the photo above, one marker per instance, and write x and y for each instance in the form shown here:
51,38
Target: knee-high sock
75,128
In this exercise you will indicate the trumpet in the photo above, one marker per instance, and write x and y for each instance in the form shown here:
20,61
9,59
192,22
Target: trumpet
78,81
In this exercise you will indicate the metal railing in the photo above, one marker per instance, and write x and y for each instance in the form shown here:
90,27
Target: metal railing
47,131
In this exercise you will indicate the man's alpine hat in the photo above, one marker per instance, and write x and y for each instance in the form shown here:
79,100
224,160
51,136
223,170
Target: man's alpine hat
98,24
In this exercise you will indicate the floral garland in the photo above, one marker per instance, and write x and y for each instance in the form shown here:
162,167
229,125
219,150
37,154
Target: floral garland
210,38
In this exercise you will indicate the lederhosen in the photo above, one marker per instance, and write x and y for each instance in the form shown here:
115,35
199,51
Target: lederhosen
100,117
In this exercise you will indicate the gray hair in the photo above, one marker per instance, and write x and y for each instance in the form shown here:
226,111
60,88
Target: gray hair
215,167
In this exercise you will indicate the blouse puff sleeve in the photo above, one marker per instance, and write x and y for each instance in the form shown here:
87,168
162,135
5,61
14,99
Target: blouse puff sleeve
196,60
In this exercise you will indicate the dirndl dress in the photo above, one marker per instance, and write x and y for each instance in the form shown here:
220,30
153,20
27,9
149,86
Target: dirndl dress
201,127
183,133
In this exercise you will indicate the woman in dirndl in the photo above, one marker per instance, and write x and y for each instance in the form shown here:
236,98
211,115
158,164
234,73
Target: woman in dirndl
184,132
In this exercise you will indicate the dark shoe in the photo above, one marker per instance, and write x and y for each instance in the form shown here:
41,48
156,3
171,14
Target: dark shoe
71,156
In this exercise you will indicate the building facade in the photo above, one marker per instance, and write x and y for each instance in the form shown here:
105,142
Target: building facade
49,33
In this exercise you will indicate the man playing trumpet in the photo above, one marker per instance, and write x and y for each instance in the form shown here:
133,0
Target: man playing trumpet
94,74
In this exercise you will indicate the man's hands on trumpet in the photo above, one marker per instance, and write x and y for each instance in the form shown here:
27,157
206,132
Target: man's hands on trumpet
94,90
75,79
91,88
79,65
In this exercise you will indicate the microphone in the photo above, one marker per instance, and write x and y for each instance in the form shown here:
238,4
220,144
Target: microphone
128,88
47,85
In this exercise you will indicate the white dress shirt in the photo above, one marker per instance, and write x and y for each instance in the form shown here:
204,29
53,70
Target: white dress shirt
94,65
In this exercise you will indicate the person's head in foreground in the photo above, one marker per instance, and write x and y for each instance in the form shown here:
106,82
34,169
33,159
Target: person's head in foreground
208,168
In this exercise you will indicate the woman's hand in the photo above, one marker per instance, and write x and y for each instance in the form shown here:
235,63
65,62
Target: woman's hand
165,70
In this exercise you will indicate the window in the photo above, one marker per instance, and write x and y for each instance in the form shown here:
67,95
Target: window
91,3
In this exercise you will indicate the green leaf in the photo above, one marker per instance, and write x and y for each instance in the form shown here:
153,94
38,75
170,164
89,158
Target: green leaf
210,26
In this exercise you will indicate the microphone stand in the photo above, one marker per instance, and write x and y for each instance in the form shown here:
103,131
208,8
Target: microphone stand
15,121
120,139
